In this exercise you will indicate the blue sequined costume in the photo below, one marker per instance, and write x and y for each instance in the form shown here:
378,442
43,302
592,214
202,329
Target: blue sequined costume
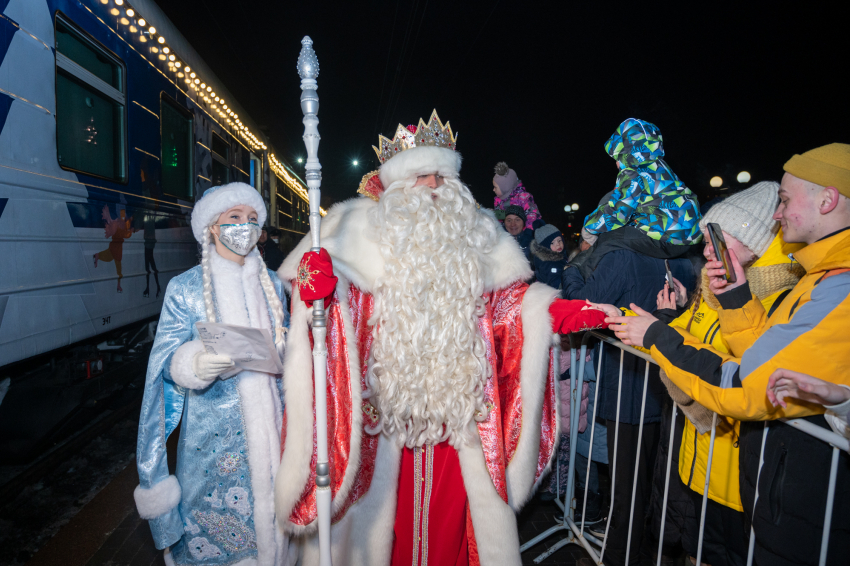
218,509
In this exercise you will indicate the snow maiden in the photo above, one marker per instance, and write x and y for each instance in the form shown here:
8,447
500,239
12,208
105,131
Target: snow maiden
218,507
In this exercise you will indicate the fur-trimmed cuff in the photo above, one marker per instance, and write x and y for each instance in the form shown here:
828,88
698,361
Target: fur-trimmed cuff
181,366
159,499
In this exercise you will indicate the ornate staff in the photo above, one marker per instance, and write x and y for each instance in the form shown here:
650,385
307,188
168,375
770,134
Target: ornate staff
308,70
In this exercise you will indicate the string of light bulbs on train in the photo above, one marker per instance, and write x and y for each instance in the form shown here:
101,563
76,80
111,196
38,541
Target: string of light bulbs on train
126,15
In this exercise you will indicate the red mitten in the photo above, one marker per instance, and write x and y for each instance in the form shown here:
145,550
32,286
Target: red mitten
316,279
568,316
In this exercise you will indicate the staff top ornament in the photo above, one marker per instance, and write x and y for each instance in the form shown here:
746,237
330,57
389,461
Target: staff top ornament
432,134
308,63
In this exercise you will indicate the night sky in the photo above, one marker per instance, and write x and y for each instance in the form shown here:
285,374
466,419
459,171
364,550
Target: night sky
539,85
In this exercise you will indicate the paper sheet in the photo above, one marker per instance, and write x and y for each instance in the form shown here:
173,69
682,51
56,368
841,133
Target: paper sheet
249,348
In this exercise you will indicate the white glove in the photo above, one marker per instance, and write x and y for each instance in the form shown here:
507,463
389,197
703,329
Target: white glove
209,366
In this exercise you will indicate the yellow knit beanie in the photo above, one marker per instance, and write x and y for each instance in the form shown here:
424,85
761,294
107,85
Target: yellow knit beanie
828,166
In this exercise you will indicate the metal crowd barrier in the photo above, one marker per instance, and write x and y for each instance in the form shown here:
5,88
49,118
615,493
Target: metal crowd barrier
594,546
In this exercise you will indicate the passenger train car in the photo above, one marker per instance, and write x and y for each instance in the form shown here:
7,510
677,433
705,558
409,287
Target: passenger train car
111,127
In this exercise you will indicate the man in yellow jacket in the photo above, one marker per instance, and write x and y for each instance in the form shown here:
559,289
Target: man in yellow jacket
807,333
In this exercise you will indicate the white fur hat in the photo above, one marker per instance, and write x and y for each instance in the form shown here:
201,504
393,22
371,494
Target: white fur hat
221,199
422,160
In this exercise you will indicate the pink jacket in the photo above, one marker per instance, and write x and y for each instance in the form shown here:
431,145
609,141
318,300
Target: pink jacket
564,393
520,197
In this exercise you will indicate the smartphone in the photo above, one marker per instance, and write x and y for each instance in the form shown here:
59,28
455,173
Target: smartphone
669,276
720,250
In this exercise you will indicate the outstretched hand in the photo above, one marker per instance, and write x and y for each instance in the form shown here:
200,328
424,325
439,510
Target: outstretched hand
631,329
784,383
609,310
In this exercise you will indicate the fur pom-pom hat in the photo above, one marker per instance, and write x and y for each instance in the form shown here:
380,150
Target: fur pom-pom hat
221,199
505,177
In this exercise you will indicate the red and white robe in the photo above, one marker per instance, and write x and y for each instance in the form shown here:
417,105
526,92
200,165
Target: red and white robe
434,505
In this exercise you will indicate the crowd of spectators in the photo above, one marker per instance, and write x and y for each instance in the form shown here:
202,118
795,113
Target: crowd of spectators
732,350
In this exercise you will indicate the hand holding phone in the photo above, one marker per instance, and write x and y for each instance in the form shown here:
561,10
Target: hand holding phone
721,252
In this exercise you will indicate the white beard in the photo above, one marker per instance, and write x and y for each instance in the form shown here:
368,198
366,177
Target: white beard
430,366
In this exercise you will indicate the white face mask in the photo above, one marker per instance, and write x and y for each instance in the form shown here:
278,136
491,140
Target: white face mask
239,238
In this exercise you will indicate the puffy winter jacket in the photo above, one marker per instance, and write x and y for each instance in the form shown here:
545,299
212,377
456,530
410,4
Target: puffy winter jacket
520,197
806,333
648,195
548,265
704,323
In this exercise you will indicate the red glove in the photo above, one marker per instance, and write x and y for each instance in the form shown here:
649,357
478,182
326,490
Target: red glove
568,316
316,279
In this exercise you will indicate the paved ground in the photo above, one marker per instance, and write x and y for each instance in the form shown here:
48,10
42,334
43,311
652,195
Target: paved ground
107,531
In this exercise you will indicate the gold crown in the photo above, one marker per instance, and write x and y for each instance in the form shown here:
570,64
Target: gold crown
431,134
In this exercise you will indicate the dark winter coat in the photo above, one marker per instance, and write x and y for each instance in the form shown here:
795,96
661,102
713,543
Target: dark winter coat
271,254
621,278
788,520
524,240
548,265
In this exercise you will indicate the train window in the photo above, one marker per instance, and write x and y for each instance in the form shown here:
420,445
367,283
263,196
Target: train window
256,173
177,133
220,160
91,126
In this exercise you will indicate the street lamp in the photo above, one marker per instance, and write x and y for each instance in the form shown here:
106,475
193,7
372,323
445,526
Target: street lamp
575,206
300,160
568,208
744,177
715,181
354,163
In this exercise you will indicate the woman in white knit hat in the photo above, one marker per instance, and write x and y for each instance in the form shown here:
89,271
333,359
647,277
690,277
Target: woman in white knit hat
219,504
746,219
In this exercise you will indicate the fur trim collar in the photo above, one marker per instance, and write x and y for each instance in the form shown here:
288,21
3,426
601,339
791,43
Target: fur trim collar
220,199
358,258
419,161
545,254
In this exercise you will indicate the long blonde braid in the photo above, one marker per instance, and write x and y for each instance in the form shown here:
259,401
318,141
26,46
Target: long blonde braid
275,304
207,275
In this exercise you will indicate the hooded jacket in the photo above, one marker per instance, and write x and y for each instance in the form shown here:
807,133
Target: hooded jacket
648,194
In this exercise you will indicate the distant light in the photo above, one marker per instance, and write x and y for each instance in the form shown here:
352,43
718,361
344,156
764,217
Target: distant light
575,206
119,2
300,160
161,39
130,13
124,21
151,30
188,69
114,11
142,22
715,182
354,162
743,177
166,50
171,57
568,208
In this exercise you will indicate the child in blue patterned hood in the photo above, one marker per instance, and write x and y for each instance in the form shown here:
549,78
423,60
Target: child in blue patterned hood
649,196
